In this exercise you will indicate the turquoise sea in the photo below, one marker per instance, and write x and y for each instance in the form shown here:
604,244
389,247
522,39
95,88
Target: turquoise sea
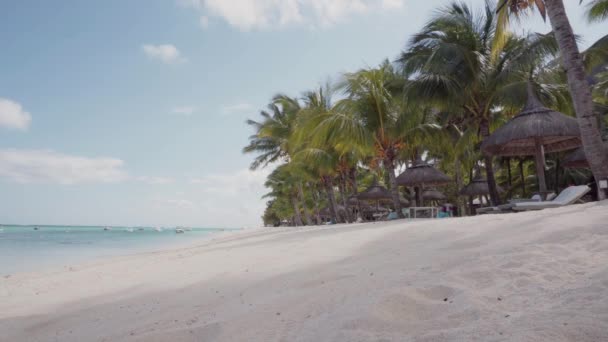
31,248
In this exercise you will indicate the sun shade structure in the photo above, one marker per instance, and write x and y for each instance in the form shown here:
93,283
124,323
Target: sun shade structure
375,193
535,131
478,187
422,174
577,159
433,195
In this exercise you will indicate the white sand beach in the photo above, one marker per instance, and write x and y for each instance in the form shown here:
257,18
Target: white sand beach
537,276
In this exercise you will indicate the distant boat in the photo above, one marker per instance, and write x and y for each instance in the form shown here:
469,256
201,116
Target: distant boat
179,231
36,228
107,228
140,229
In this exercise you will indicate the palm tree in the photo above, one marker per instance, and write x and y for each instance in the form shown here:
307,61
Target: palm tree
573,63
284,185
456,64
371,118
271,139
318,157
597,10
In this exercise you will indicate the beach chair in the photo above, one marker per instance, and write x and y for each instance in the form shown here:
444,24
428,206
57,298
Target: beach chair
508,206
569,196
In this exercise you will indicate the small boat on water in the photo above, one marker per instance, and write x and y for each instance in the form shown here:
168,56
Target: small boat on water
179,230
140,229
36,228
107,228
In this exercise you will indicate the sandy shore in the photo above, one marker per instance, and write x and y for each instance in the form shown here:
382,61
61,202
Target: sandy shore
539,276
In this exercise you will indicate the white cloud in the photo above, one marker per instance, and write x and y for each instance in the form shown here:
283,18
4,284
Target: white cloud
269,14
166,53
185,110
204,22
13,116
232,183
236,108
155,180
233,198
46,166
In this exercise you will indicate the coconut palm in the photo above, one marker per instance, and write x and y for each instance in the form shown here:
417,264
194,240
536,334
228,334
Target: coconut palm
271,138
284,182
573,63
318,157
454,63
597,10
370,118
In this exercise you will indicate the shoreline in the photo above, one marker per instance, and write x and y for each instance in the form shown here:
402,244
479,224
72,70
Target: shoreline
397,280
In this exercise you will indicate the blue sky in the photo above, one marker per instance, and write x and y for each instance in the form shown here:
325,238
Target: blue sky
132,112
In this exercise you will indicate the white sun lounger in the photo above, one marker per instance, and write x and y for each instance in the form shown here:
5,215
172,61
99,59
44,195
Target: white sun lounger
501,208
569,196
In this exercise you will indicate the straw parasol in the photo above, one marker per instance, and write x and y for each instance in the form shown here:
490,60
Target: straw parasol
422,174
577,159
375,193
478,187
378,193
535,131
433,195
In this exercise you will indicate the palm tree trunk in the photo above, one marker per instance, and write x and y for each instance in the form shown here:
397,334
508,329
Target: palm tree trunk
331,197
343,196
297,218
484,128
303,201
459,185
353,181
394,189
315,198
596,154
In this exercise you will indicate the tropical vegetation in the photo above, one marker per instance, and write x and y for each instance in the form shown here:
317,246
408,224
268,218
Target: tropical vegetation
458,78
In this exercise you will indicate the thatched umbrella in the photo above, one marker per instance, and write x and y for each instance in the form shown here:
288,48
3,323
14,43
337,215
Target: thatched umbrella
535,131
433,195
421,174
577,159
375,193
379,193
478,187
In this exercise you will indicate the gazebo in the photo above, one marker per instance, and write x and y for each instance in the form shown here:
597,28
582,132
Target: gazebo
535,131
421,174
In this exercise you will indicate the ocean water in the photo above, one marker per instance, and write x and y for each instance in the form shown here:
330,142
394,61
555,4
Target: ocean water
31,248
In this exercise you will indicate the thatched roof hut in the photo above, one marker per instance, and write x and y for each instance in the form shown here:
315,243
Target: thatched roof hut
478,187
433,195
422,174
534,131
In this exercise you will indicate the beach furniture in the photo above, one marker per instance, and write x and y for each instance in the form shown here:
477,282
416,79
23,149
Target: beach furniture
567,197
509,206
